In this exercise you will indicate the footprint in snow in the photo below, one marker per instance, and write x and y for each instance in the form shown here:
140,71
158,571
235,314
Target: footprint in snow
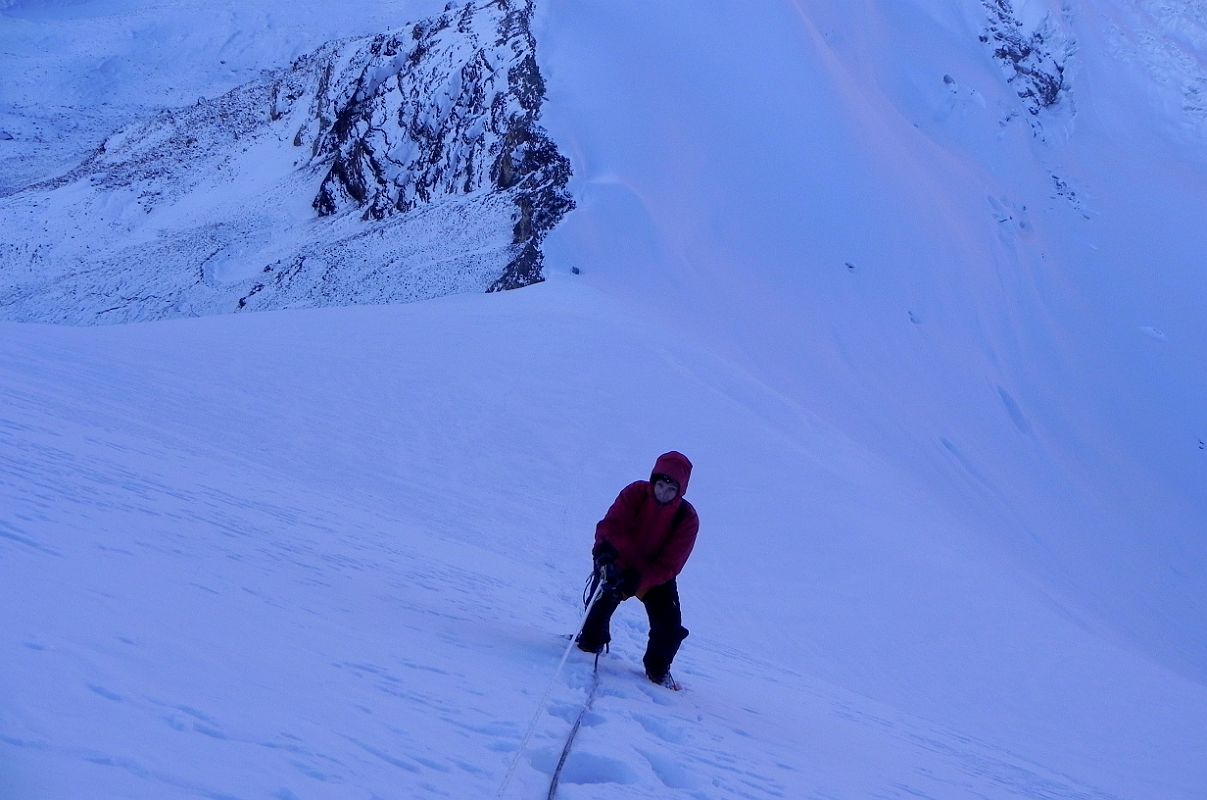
106,693
671,771
659,727
568,712
588,768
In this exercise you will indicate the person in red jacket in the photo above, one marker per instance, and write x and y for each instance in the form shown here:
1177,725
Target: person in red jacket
640,548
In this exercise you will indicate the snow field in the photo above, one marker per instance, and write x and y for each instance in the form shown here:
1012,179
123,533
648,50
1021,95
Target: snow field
353,583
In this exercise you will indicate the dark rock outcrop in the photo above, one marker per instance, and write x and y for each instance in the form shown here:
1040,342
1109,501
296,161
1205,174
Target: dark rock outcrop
1034,64
420,152
449,108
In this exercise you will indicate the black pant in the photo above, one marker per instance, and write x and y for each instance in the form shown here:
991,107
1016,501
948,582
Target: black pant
666,626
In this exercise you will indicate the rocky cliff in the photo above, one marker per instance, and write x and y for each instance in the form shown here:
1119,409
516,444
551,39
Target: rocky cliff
397,167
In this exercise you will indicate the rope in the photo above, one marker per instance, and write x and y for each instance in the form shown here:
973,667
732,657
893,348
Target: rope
561,762
541,707
593,581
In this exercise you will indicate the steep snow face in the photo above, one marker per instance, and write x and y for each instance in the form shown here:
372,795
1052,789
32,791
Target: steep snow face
1161,46
429,137
889,223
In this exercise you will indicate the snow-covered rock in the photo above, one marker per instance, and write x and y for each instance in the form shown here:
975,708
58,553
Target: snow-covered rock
398,167
1033,56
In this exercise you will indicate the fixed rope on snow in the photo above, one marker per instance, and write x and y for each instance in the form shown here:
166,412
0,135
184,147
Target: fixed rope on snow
561,762
596,586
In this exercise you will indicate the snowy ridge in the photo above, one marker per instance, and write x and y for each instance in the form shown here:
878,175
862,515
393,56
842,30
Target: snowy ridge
403,136
440,120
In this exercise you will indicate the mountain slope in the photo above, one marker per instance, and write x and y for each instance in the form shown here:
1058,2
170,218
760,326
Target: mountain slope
880,232
354,582
933,342
383,169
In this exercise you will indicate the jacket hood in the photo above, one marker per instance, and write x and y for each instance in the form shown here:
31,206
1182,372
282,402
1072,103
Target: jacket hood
675,465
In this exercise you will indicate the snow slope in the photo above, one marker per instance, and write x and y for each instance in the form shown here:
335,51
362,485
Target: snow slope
938,363
328,554
871,221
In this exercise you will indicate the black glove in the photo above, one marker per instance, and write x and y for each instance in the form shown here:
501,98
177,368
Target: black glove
617,582
604,555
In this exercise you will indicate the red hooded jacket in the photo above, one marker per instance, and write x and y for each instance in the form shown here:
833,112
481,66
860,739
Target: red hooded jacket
653,539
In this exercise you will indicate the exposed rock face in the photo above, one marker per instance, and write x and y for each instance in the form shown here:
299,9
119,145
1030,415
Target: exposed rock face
387,169
1034,61
449,108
